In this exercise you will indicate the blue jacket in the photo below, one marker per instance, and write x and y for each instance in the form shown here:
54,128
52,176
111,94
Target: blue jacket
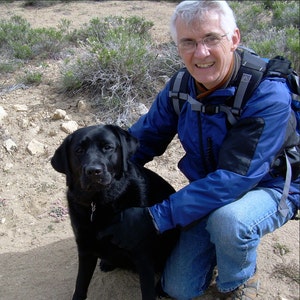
221,164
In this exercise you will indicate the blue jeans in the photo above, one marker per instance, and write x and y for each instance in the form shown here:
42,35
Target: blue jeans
228,238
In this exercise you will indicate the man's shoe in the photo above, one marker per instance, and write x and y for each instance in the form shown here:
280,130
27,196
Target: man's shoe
247,291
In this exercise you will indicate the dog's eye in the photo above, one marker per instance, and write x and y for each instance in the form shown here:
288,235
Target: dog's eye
79,150
108,147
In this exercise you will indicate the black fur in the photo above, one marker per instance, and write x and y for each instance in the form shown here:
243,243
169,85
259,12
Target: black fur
101,182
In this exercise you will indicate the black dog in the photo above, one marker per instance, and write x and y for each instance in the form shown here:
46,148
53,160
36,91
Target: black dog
101,182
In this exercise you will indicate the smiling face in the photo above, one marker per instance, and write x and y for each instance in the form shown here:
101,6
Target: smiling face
207,64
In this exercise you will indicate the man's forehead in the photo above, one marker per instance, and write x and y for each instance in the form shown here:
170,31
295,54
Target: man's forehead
210,22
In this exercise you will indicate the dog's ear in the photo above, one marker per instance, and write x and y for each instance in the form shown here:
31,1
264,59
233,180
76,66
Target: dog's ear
60,159
128,142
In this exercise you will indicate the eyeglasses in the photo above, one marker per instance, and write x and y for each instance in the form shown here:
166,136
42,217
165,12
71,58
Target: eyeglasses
209,42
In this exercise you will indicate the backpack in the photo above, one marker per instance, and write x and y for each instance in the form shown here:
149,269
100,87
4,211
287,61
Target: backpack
253,69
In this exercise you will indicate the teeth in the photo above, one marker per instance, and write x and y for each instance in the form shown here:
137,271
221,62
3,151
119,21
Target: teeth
204,65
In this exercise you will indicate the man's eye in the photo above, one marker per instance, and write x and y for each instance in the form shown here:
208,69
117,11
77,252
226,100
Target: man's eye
188,43
211,38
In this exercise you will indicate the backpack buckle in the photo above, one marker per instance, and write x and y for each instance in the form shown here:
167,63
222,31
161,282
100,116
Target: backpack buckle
211,109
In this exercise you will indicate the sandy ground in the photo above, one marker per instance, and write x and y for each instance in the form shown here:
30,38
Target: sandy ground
37,250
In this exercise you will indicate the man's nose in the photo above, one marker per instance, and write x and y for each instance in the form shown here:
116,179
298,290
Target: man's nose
201,50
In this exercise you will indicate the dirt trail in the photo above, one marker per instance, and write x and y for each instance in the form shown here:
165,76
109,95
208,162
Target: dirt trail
37,251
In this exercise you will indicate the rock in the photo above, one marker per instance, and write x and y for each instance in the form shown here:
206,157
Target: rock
69,127
35,147
81,105
3,114
24,123
10,145
59,114
8,167
20,107
141,109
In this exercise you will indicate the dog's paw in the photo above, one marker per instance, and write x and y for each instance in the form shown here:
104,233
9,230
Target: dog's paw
105,266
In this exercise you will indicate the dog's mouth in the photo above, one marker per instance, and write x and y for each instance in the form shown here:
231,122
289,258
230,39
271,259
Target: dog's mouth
95,177
95,182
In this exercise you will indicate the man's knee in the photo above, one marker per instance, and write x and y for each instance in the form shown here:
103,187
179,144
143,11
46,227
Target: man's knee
176,291
225,224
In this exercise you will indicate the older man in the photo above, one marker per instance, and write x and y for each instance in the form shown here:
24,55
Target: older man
232,199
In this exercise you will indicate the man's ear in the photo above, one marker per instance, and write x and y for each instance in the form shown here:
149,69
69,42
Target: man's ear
236,37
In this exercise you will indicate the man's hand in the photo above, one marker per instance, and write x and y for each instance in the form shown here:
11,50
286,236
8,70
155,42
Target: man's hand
134,226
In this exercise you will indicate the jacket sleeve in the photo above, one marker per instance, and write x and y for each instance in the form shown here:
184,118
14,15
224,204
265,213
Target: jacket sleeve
156,129
245,158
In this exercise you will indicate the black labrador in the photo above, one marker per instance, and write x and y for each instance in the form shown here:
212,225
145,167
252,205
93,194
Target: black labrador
101,182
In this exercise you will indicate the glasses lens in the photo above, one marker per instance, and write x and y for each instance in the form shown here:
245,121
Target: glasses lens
209,41
188,45
212,40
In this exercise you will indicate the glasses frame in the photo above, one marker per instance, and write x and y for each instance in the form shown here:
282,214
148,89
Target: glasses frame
202,41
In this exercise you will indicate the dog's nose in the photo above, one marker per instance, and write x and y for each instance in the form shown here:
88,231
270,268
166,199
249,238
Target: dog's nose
93,170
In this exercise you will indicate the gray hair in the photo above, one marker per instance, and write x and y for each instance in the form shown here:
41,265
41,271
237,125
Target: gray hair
189,11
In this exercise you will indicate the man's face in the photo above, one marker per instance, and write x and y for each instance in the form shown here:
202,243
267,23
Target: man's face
208,64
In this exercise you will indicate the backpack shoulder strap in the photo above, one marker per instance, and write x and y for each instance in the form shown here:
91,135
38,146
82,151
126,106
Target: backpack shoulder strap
179,89
249,76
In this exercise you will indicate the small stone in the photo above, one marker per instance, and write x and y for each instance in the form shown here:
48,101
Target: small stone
81,106
3,114
59,114
24,123
8,167
69,127
10,145
141,109
35,147
20,107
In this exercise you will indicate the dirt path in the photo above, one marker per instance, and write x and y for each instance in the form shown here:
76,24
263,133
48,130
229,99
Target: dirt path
37,251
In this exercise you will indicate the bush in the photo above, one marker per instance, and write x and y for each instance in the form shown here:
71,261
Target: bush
31,78
7,66
118,62
276,42
284,13
275,30
18,39
115,60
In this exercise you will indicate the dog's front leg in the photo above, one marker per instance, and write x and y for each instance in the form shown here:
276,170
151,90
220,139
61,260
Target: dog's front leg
86,268
145,269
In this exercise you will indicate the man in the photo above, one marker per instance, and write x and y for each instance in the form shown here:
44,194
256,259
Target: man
232,198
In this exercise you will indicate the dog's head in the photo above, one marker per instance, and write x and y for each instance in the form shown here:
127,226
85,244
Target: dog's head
92,157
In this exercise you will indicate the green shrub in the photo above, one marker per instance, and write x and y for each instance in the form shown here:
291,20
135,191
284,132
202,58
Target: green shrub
285,13
248,11
8,66
114,60
102,29
276,41
21,41
275,30
118,62
31,78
